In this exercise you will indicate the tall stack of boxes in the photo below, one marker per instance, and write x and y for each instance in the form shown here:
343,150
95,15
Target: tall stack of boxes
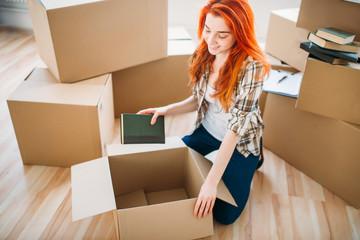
103,58
64,114
319,132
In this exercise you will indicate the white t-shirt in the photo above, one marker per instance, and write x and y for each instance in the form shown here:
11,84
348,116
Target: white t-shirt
216,119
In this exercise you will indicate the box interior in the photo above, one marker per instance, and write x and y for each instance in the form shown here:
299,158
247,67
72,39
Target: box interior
154,177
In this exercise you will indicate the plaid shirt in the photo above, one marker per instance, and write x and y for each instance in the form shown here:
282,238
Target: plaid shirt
245,118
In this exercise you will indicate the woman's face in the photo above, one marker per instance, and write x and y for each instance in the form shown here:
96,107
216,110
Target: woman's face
218,36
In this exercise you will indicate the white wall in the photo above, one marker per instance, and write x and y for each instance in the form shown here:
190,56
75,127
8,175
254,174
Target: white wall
185,13
262,10
181,13
15,17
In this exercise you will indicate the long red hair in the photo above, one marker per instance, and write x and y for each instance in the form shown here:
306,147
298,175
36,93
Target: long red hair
239,18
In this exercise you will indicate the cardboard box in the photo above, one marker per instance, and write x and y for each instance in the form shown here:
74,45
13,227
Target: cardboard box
180,42
62,124
331,90
284,38
335,13
161,180
153,84
325,149
83,39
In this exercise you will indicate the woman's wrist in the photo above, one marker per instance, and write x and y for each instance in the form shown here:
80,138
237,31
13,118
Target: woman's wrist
212,180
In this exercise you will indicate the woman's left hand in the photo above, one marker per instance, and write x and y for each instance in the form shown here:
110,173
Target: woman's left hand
206,200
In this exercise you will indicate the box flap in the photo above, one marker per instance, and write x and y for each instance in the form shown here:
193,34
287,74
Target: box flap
122,149
289,13
41,86
53,4
92,191
178,33
205,166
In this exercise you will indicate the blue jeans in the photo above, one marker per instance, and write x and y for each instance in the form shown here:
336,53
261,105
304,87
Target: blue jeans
237,176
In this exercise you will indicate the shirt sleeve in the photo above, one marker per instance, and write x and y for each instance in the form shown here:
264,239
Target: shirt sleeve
245,110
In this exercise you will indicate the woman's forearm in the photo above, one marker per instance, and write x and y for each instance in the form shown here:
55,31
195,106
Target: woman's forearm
188,105
222,159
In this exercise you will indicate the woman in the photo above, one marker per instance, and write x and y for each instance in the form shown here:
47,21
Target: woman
226,73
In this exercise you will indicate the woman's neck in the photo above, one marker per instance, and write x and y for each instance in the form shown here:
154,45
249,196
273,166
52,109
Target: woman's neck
219,61
216,66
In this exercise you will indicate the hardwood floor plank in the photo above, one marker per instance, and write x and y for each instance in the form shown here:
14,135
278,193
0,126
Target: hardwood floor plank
312,189
354,217
275,170
294,180
340,227
59,222
61,225
24,189
301,218
243,227
77,229
38,222
319,220
260,207
97,226
223,231
284,220
10,179
21,216
330,197
11,78
10,38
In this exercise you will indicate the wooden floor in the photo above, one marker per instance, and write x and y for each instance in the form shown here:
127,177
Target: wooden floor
35,201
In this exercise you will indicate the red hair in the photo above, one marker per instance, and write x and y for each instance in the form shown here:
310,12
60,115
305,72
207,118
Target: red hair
240,19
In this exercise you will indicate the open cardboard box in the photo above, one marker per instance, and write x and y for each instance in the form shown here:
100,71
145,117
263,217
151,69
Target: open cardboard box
151,189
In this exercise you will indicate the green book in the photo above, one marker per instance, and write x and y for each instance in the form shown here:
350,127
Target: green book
335,35
352,47
136,128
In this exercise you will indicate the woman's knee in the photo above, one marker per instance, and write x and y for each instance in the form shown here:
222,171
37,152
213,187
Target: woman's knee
191,142
226,219
226,213
185,140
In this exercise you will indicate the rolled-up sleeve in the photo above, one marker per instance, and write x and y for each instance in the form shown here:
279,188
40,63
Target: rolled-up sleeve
244,113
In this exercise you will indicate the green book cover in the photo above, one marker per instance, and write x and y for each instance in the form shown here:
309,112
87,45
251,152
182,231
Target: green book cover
335,35
136,128
337,32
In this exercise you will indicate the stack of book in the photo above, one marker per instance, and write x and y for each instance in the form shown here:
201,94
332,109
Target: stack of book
332,45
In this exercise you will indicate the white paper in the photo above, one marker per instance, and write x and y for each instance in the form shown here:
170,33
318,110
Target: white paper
288,86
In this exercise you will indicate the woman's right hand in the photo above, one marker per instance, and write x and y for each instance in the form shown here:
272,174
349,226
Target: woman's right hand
156,111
